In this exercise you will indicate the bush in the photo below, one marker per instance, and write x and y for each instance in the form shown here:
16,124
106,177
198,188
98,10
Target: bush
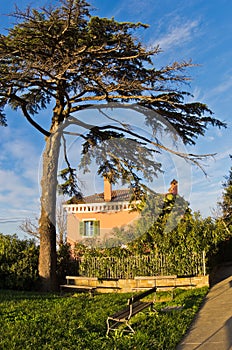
185,247
66,264
18,263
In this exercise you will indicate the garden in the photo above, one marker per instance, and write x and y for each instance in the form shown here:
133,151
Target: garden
31,320
68,59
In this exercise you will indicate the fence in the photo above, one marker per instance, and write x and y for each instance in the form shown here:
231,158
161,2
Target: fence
142,265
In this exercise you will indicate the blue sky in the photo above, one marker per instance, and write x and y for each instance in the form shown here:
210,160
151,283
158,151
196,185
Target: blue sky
195,29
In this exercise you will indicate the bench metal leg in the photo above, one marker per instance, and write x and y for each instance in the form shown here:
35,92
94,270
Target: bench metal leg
108,326
130,328
114,326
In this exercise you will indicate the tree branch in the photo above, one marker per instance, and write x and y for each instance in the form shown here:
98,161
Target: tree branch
33,123
27,115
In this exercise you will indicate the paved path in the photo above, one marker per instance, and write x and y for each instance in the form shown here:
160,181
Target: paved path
212,327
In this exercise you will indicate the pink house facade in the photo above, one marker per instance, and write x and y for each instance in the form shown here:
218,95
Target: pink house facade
96,215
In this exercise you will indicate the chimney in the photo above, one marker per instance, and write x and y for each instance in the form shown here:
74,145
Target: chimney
107,190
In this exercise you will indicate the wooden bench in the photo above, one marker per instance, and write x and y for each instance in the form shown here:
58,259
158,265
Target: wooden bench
71,285
170,285
135,305
108,283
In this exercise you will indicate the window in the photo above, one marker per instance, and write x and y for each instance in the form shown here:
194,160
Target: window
90,228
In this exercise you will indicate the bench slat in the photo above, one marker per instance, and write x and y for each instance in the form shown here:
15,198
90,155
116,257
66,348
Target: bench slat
130,311
121,315
74,286
142,295
139,306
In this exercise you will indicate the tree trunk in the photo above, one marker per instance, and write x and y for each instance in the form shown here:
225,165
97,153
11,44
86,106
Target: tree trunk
47,222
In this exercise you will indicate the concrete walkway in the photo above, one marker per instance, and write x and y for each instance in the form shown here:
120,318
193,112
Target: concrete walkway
212,327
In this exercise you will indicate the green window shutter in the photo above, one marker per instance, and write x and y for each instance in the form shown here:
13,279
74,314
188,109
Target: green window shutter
81,228
96,228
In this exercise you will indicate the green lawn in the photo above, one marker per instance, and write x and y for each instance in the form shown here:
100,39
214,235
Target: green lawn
48,321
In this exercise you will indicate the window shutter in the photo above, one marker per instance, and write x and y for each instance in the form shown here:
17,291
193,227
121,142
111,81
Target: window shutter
81,228
96,228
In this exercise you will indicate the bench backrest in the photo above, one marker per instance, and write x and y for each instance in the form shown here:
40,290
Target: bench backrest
140,296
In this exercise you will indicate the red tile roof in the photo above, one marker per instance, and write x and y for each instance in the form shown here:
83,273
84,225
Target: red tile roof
117,196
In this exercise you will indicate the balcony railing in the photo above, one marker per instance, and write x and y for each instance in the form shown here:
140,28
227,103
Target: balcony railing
98,207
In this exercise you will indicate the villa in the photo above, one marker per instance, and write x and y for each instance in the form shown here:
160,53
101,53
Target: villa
96,215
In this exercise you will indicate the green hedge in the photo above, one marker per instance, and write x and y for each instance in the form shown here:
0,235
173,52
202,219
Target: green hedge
18,263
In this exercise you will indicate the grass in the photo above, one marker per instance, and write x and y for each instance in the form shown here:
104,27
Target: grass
53,322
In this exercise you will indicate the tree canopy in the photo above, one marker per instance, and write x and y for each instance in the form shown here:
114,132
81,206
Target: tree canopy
64,56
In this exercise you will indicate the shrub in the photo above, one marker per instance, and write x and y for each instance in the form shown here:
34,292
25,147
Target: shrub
18,263
66,264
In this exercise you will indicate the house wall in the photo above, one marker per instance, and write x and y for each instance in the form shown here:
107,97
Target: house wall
108,221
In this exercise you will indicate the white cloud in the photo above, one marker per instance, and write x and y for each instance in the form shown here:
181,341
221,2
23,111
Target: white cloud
224,86
21,156
177,35
15,192
19,192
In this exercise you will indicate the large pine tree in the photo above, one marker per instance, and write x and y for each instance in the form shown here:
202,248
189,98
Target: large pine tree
63,57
